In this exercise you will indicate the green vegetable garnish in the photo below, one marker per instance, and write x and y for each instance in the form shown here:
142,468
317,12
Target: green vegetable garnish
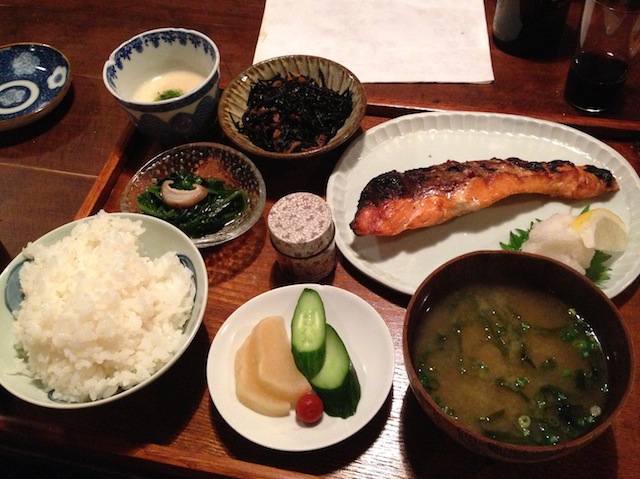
597,271
168,94
517,238
221,206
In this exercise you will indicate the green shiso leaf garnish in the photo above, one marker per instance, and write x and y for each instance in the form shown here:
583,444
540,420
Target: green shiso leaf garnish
597,271
517,238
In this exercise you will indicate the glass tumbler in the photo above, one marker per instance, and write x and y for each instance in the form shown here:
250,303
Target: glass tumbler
609,38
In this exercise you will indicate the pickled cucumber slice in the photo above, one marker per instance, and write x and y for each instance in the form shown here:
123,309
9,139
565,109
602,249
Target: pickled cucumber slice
308,333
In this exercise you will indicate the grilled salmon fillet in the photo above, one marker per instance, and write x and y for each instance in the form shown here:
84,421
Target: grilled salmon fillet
394,202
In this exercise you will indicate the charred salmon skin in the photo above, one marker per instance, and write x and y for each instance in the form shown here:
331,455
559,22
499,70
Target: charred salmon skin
395,202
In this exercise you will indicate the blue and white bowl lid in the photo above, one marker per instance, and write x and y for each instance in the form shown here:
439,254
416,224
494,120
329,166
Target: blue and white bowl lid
34,79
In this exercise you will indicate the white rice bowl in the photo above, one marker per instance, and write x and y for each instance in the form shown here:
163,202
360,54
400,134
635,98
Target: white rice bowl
101,315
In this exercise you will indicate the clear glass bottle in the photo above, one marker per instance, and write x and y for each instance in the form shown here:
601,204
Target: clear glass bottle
529,28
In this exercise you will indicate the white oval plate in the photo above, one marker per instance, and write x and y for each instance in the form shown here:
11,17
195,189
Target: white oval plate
371,353
425,139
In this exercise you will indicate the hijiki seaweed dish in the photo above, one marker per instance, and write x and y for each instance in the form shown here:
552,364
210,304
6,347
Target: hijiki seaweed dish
293,113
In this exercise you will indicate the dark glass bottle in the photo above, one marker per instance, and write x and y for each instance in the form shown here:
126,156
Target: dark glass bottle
529,28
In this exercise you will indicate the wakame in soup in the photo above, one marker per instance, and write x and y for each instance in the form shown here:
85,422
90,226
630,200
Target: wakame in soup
515,365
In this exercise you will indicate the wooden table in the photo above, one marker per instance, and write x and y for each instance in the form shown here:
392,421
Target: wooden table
79,158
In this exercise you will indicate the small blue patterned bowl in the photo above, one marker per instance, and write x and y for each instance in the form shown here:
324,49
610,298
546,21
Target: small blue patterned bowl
168,82
34,78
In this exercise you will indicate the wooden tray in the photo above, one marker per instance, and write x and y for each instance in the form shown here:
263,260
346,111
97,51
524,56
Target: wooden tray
172,426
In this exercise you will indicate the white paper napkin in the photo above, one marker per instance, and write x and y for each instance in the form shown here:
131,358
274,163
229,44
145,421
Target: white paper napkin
384,41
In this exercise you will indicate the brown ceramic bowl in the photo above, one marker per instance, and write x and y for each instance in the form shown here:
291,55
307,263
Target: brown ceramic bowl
530,271
233,103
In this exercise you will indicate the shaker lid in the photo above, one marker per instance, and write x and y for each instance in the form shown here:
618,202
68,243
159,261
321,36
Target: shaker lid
300,225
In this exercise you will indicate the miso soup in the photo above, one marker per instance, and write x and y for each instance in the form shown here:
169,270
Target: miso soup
515,365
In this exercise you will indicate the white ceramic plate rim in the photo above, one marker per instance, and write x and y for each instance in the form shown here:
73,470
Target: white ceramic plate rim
23,386
372,356
425,139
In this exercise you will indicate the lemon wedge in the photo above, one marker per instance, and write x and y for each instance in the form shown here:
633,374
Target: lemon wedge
602,229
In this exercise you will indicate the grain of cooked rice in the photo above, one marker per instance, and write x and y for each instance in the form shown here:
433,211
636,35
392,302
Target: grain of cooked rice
98,315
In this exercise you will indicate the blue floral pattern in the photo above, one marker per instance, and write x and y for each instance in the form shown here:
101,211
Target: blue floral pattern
154,40
182,126
32,78
185,118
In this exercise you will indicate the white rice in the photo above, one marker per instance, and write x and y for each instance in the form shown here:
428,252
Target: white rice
98,314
